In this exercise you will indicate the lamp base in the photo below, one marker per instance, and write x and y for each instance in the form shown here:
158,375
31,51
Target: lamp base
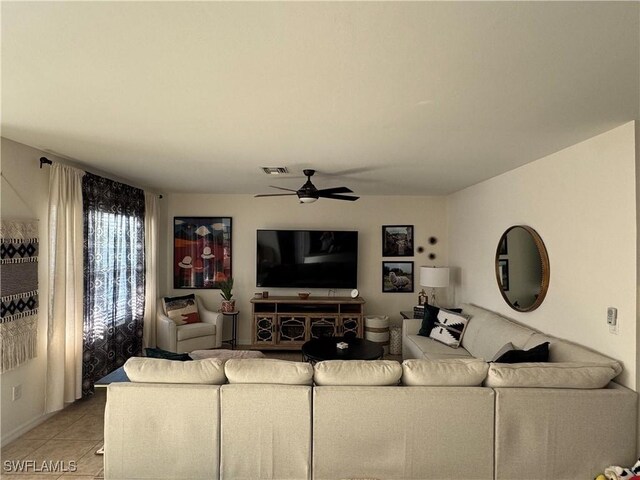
433,298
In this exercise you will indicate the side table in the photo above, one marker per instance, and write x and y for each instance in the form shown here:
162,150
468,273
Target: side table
234,329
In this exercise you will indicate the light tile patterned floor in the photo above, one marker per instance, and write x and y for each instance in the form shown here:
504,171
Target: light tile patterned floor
74,435
67,441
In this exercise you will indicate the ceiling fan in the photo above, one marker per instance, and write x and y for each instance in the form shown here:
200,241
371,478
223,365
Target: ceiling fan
308,192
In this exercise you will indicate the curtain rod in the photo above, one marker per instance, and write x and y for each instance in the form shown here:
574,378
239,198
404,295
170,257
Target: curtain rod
46,161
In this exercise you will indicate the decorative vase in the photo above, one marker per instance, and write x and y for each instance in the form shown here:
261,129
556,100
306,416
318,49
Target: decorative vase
228,306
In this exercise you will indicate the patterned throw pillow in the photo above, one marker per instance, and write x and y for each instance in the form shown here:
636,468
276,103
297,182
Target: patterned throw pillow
182,310
449,328
430,318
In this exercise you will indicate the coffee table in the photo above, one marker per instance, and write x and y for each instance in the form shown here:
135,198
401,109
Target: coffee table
325,348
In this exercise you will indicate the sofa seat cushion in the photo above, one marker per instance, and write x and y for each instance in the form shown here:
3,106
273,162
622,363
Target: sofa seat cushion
268,371
447,372
549,375
433,350
156,370
565,351
357,372
487,332
195,330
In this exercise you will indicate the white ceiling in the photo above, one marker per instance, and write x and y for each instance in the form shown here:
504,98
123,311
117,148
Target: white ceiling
386,98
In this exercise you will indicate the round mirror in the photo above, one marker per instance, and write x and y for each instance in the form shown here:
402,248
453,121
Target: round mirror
522,268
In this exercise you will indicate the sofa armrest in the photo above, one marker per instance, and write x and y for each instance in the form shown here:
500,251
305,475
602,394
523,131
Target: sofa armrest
167,333
208,316
411,326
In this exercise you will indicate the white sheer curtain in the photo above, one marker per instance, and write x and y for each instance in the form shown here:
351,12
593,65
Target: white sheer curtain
66,292
151,268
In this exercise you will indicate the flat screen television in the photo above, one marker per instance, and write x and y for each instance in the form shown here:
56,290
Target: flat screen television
307,258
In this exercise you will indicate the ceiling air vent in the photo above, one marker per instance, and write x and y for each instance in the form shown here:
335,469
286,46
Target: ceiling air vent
275,170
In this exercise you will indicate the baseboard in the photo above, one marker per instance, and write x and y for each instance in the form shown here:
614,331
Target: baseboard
21,430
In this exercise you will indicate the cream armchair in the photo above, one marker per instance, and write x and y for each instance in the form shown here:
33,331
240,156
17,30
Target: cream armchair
192,336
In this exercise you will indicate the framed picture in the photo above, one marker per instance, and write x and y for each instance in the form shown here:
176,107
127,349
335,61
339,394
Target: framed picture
503,268
201,251
502,249
397,276
397,240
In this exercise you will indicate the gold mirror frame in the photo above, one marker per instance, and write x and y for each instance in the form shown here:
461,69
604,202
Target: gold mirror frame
544,260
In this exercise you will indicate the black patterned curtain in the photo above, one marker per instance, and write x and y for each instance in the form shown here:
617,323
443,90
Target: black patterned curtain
113,276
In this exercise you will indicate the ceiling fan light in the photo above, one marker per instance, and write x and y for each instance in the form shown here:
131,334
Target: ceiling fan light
308,199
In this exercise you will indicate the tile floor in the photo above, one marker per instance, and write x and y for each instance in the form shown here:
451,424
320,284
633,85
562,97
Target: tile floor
74,435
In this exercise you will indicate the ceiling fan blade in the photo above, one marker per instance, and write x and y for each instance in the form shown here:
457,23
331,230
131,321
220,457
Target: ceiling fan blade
340,197
282,188
326,191
274,194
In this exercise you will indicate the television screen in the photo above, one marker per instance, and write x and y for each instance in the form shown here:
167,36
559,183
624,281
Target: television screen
307,259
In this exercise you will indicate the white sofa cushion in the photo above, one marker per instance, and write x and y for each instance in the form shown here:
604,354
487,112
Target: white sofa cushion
565,351
357,372
157,370
267,370
454,371
433,350
487,332
549,375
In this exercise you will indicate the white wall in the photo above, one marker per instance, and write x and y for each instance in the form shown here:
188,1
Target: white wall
582,202
366,215
20,166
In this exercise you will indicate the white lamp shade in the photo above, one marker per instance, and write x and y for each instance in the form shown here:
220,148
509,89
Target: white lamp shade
434,277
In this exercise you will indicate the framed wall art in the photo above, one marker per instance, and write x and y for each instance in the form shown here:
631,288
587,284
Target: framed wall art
397,240
201,251
397,277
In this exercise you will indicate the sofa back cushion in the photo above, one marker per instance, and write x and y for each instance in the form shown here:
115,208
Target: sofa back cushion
449,372
487,332
156,370
565,351
267,370
357,372
549,375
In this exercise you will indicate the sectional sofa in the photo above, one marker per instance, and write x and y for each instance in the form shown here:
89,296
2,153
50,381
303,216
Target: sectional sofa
423,419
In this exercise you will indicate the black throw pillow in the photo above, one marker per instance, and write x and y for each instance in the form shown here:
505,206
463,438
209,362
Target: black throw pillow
430,317
539,353
167,355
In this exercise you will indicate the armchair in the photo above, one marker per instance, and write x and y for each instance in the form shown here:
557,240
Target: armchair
192,336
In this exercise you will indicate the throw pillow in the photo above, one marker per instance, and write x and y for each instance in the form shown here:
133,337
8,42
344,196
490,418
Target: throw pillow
507,347
539,353
167,355
182,310
430,317
449,328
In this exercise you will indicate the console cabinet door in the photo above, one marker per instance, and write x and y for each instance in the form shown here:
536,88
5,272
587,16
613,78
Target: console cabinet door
292,330
264,330
323,326
351,325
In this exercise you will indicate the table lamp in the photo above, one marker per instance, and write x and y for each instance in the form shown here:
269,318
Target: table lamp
434,277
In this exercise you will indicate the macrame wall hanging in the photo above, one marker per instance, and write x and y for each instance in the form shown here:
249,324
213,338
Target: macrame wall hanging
19,292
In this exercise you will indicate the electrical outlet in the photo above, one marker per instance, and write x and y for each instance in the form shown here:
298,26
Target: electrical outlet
16,393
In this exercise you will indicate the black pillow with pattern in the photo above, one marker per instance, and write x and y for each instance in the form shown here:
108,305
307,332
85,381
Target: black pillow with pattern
430,318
